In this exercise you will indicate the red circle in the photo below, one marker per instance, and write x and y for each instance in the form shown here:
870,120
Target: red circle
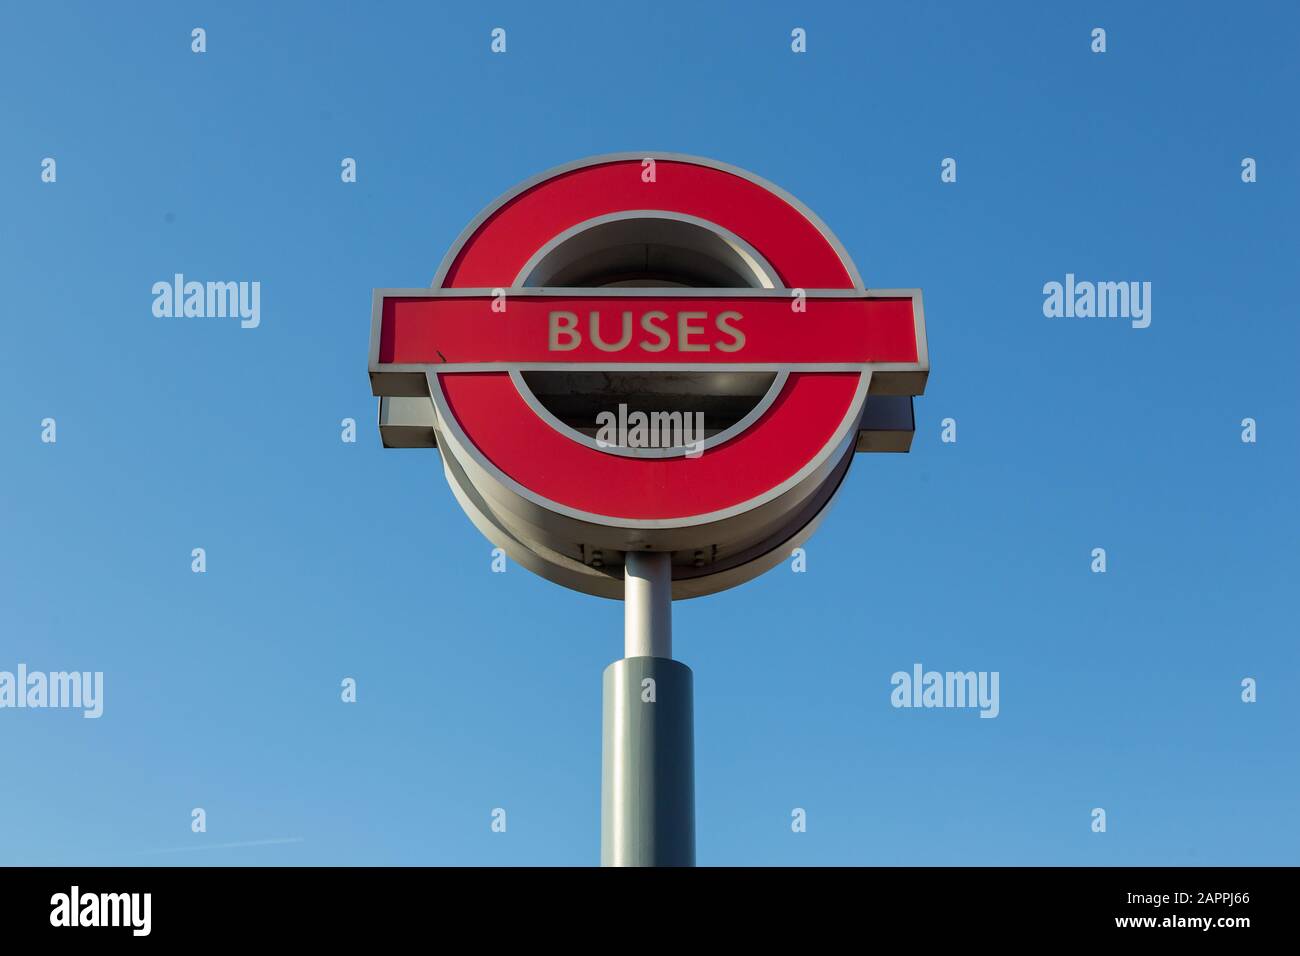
792,431
507,239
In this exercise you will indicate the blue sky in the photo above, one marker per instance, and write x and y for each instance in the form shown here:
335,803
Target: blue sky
480,690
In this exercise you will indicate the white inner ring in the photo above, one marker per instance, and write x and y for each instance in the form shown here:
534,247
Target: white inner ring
680,244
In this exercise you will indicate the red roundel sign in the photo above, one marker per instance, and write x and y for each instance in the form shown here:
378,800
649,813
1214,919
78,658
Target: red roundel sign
647,352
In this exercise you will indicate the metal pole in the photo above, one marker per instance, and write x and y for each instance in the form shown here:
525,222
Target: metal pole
647,792
648,604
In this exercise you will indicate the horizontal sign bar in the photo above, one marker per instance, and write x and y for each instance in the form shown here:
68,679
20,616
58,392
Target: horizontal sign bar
456,330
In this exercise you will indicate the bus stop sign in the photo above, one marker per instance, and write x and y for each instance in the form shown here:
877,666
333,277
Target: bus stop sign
605,298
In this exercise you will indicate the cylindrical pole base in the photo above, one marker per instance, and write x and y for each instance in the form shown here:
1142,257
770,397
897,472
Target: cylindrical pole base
647,787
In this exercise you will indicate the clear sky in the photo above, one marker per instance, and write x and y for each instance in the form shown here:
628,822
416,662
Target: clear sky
477,690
